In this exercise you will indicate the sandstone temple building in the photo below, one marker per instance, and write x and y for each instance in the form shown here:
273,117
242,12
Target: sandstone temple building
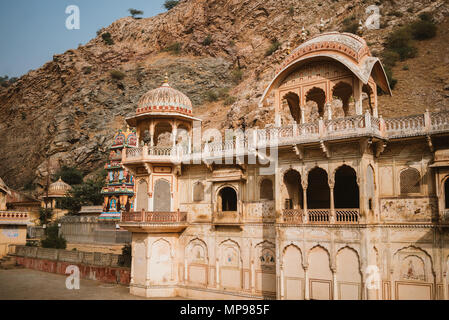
331,201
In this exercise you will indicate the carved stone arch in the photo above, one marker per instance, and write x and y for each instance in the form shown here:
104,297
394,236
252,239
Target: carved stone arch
236,245
347,246
344,90
294,245
293,101
172,251
202,243
218,197
261,179
322,246
419,249
317,95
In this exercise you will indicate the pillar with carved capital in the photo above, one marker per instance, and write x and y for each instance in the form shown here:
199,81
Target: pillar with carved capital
332,203
306,284
329,111
304,201
303,114
282,282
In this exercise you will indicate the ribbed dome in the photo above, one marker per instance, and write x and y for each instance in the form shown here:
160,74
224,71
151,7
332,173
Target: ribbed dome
164,99
58,188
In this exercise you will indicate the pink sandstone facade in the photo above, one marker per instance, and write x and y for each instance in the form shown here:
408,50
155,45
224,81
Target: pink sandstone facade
332,201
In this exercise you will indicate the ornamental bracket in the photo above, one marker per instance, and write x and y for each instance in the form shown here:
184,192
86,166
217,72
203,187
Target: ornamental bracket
325,149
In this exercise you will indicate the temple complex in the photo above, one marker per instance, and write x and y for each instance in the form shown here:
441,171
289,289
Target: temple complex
332,201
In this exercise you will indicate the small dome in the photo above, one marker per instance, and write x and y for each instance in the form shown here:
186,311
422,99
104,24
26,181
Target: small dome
58,188
164,99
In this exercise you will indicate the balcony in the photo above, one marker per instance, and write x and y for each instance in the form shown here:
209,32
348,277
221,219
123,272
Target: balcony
154,222
321,216
14,217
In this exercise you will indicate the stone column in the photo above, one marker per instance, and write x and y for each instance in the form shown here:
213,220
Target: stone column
329,111
306,284
217,274
445,293
358,96
303,114
253,278
332,217
282,282
335,284
304,201
152,134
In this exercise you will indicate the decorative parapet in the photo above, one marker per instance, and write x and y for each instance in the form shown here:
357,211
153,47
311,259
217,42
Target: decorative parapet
14,217
154,222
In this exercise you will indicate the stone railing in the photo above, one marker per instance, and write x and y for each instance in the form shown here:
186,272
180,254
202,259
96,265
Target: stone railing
292,215
154,217
359,125
318,215
347,215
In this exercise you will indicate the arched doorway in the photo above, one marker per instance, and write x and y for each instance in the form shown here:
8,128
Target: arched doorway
318,192
266,189
162,196
294,196
227,199
163,135
346,190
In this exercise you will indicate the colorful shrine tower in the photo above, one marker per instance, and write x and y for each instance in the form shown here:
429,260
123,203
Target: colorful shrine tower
119,191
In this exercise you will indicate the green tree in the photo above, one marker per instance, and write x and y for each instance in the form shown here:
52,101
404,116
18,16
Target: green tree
70,175
53,239
84,194
45,215
135,12
170,4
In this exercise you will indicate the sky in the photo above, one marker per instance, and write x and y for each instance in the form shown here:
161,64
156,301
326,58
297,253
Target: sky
32,31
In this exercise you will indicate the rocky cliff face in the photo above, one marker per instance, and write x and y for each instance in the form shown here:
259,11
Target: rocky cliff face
67,111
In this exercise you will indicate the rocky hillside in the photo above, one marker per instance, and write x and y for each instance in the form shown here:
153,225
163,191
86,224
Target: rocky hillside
67,111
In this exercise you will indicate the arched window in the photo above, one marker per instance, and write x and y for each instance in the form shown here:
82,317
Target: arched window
163,135
227,199
316,109
162,196
142,196
292,182
266,189
410,181
292,100
198,192
318,192
446,193
346,190
343,91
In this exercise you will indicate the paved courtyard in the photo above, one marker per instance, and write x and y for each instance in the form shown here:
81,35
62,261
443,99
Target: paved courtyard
27,284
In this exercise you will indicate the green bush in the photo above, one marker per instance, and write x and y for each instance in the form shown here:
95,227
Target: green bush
423,29
174,48
126,256
211,95
399,41
275,44
352,28
229,100
170,4
426,16
107,38
390,78
207,41
237,75
117,75
53,239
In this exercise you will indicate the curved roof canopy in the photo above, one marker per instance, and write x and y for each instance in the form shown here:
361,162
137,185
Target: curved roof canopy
346,48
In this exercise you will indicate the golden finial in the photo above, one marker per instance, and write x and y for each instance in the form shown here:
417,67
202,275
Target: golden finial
166,78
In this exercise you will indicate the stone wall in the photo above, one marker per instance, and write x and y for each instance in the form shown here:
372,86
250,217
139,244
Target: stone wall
92,265
90,230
